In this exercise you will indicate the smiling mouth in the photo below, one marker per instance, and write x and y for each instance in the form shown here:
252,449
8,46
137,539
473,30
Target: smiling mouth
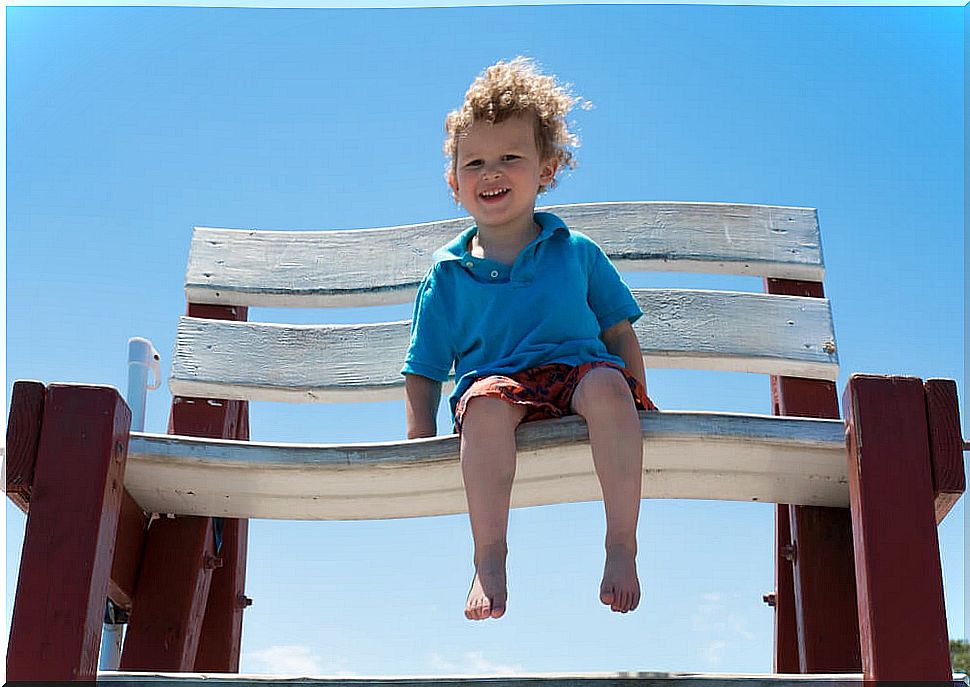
496,193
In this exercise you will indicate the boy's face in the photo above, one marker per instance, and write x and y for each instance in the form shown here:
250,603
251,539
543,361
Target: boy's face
498,172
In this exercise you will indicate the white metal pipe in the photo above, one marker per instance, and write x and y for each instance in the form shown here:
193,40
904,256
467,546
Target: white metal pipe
142,359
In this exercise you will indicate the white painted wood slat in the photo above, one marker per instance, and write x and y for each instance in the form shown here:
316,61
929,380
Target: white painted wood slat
687,455
383,266
716,330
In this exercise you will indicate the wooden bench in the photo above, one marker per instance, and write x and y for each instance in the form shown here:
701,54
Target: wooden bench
73,464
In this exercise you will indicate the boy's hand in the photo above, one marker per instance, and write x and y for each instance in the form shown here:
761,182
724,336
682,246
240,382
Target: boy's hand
421,397
621,340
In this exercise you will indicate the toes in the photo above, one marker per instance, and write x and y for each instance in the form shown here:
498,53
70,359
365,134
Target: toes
607,596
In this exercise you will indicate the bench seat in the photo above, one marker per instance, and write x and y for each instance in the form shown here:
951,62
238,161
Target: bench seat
687,455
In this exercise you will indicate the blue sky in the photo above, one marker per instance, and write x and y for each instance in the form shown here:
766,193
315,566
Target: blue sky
126,127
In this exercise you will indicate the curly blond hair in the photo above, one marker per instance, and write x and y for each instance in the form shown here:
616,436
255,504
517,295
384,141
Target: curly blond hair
513,88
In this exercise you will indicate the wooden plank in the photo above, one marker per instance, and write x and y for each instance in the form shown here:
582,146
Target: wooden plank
946,444
69,541
166,617
369,267
897,553
23,435
689,455
624,679
714,330
129,547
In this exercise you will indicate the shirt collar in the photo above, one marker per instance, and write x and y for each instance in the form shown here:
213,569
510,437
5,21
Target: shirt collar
548,223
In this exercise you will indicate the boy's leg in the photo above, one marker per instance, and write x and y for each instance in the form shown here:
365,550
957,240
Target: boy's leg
487,467
603,398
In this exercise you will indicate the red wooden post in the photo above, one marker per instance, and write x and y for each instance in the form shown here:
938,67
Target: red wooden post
823,578
75,500
166,613
129,549
222,627
23,435
897,553
946,444
786,629
180,603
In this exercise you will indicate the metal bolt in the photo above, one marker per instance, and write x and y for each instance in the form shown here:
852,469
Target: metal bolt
829,347
769,599
788,552
211,562
243,601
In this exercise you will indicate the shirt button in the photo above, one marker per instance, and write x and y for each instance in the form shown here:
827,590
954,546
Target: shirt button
469,264
494,274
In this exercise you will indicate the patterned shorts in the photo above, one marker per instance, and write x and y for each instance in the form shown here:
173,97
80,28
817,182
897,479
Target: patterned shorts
547,390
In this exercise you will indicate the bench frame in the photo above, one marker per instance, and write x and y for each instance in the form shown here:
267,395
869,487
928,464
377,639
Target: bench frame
183,578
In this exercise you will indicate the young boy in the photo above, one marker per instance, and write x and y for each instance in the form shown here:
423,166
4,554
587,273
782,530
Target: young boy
535,320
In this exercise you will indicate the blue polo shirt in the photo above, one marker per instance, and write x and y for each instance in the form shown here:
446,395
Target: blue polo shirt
485,318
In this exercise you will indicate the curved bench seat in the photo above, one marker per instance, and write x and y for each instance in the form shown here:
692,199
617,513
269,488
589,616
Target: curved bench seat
687,455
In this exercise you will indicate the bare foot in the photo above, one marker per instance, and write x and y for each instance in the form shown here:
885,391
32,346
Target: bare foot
487,597
620,589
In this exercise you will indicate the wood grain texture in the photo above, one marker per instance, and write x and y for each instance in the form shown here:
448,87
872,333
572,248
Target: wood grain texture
687,455
624,679
946,444
714,330
383,266
897,552
70,536
23,436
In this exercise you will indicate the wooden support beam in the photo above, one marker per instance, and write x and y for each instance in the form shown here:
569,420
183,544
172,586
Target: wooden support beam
222,626
786,624
897,553
946,444
823,576
166,615
129,548
70,536
23,436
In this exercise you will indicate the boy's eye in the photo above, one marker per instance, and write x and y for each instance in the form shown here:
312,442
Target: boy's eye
473,163
510,157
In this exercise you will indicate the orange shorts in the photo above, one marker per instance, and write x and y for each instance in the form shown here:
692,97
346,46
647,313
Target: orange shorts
547,390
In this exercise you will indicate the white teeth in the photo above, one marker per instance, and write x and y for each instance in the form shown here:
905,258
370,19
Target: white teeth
489,194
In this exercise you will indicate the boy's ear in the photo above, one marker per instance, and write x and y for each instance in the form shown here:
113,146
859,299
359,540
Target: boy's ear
548,171
453,184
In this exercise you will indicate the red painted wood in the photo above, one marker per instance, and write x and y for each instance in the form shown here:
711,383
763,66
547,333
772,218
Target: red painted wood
222,627
897,553
946,444
162,581
823,576
166,613
129,548
23,435
786,629
69,540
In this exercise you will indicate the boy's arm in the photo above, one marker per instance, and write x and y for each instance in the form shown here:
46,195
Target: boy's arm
621,340
421,397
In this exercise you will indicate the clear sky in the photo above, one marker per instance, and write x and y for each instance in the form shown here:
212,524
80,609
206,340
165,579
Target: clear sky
126,127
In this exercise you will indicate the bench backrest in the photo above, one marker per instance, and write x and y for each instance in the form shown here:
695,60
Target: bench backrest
747,332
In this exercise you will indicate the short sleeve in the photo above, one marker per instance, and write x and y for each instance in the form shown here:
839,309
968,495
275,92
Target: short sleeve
430,352
609,296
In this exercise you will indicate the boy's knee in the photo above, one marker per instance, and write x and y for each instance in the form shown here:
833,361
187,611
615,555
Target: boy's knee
602,387
490,413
